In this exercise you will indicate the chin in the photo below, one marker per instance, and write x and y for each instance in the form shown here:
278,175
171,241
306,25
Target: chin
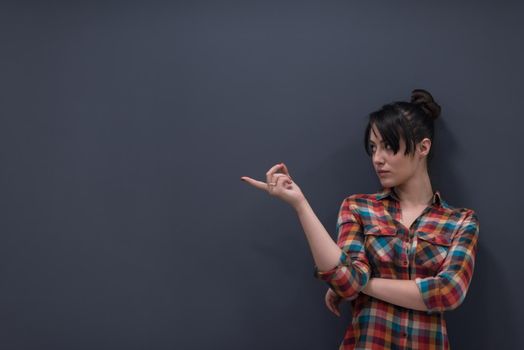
387,183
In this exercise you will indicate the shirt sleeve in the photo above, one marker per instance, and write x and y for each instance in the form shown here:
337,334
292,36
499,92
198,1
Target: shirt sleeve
447,290
352,272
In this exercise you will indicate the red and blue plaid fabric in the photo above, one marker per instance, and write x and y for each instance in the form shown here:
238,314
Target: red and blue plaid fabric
438,252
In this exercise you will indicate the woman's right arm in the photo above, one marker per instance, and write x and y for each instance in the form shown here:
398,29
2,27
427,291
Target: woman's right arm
342,265
325,251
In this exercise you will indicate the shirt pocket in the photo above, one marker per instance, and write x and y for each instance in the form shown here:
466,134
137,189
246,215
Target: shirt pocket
433,246
380,243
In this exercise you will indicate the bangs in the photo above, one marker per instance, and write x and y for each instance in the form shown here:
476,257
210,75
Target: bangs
392,126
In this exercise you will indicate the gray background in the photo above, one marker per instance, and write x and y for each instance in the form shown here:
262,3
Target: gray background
125,127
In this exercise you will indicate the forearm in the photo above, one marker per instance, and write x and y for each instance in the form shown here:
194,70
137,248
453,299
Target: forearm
403,293
325,251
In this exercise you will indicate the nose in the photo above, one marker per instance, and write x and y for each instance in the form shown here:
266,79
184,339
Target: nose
378,158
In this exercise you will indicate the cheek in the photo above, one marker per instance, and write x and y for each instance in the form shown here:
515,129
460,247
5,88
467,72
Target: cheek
400,165
396,163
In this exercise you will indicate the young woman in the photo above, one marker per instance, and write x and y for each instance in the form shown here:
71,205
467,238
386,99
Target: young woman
403,255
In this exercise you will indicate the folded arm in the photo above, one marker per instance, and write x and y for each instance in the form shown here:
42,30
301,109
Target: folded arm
403,293
443,292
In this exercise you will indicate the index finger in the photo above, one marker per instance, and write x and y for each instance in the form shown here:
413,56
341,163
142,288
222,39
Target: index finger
258,184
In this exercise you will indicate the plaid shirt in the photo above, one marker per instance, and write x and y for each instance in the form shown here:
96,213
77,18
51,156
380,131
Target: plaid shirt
437,252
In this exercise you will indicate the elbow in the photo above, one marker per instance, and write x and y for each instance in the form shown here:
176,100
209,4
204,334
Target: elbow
452,294
349,281
441,295
451,301
349,293
447,301
354,289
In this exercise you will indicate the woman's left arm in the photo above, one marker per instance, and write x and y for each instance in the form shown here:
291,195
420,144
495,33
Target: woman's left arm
403,293
443,292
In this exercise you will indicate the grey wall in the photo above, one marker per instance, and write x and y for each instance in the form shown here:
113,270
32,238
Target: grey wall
125,127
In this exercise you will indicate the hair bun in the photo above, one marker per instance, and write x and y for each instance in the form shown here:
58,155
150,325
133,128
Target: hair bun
424,100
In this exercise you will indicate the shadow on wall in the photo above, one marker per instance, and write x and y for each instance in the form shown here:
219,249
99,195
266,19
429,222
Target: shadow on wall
442,167
484,321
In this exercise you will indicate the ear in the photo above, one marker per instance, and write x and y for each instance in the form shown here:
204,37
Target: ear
424,146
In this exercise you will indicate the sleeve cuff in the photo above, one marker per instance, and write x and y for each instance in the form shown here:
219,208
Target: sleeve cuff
329,274
429,291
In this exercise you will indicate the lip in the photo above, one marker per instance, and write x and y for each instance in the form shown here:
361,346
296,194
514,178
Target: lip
382,172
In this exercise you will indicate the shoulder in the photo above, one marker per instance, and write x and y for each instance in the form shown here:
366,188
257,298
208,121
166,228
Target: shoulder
463,213
362,198
470,219
465,218
360,202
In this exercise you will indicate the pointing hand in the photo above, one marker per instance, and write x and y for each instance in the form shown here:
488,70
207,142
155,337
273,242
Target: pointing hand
279,184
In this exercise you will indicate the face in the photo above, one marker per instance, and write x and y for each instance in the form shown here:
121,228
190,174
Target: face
399,168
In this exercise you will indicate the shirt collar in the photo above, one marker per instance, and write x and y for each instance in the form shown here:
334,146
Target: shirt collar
390,192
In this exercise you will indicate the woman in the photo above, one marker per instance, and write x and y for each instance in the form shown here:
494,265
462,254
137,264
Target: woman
403,255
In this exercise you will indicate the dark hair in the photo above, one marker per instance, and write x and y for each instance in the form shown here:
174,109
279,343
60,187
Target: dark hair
411,121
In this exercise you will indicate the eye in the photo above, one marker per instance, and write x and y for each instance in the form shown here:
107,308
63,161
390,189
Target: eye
388,146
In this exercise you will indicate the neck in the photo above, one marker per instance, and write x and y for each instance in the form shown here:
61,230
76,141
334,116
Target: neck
416,190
